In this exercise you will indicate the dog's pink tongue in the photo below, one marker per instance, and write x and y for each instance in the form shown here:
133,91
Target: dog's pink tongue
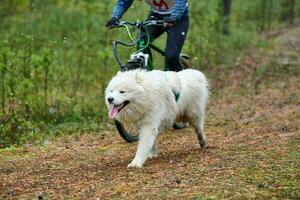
113,112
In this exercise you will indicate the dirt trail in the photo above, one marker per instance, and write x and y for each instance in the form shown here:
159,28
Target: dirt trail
252,128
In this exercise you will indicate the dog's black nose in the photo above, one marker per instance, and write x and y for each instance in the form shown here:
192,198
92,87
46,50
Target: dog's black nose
110,99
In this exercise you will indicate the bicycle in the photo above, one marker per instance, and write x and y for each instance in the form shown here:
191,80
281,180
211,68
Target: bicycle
140,60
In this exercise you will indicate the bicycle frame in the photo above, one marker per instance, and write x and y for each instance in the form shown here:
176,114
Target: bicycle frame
142,43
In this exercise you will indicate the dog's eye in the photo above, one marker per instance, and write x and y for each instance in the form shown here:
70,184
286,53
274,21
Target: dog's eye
122,91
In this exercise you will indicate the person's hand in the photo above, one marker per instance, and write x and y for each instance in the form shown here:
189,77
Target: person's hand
168,21
113,22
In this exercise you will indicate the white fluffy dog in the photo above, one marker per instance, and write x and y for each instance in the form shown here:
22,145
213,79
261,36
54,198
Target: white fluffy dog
151,101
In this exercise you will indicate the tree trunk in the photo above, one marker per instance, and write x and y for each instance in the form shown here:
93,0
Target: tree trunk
288,11
225,16
291,11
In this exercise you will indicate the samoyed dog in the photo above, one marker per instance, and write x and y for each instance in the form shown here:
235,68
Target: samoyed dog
151,101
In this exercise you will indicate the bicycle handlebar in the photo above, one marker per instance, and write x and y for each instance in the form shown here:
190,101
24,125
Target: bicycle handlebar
141,24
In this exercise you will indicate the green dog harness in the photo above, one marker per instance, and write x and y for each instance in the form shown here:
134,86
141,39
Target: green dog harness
177,95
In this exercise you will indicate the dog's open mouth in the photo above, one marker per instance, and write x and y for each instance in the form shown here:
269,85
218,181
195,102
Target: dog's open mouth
115,109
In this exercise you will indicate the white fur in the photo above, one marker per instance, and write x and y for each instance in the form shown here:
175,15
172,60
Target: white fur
153,108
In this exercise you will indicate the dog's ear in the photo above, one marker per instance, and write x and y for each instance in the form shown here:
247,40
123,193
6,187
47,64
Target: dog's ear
138,78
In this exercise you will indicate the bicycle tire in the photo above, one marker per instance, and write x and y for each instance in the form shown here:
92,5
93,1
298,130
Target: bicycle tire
124,133
184,60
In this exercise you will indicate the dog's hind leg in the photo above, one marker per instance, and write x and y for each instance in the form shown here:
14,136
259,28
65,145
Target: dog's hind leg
197,122
200,132
146,142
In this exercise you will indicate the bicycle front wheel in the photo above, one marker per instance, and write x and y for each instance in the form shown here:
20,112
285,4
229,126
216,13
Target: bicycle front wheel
127,133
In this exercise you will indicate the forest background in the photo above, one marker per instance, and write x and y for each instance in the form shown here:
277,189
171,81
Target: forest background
56,57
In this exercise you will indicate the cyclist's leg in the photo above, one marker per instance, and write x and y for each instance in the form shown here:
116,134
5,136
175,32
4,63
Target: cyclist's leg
175,39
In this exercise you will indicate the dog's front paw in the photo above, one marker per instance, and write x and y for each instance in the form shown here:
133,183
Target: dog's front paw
136,163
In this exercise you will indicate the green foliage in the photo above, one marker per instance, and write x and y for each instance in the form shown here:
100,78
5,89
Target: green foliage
56,58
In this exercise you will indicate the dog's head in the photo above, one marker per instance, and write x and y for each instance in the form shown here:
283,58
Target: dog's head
123,93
